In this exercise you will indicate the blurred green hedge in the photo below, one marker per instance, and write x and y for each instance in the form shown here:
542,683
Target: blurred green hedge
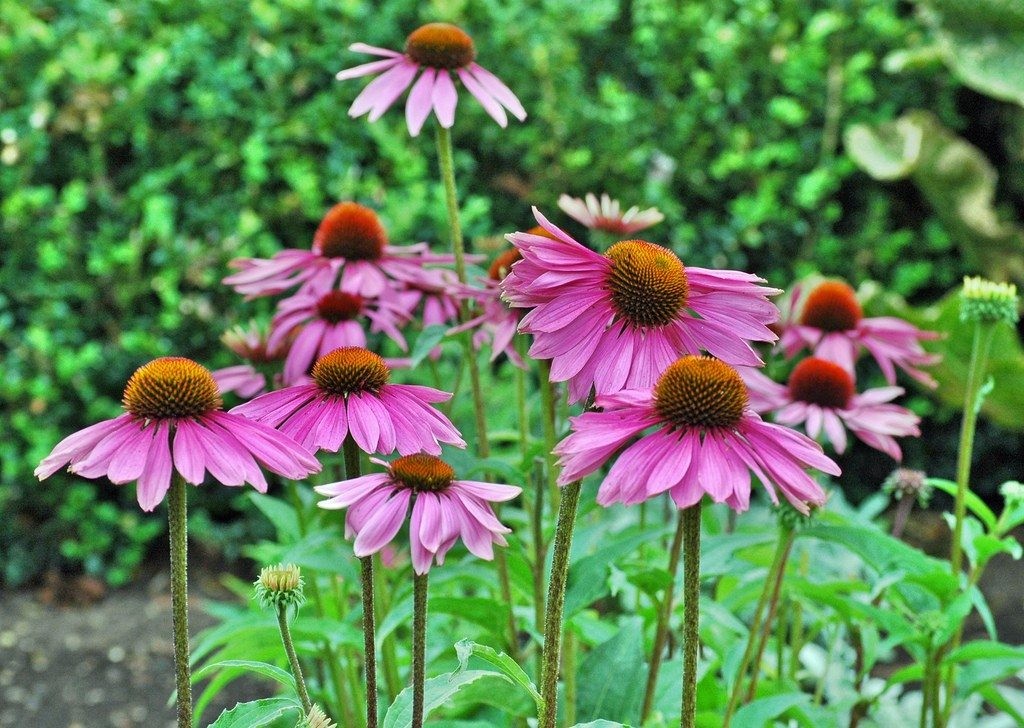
145,144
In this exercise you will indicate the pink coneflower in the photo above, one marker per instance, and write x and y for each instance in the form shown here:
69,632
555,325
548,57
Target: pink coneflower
350,395
821,396
615,321
250,344
607,214
173,419
351,243
832,324
323,321
440,49
497,322
444,509
707,441
434,291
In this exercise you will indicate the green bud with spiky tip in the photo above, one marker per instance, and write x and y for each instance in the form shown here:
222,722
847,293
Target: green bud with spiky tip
904,482
790,518
316,719
281,584
988,302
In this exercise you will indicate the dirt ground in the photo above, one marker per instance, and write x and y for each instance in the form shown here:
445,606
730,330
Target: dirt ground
109,664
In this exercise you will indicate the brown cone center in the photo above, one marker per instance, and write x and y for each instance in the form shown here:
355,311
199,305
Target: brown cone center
698,391
350,231
440,45
832,306
170,387
422,472
338,306
821,382
647,282
350,369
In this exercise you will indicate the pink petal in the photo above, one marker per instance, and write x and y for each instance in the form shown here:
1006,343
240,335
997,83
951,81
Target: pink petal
498,90
445,98
417,106
481,94
156,476
367,69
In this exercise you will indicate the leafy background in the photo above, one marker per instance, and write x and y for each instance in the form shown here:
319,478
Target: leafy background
145,144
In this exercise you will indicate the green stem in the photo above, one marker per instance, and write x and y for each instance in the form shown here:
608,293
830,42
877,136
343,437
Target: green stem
178,529
419,637
549,420
979,359
691,612
293,659
777,566
664,614
351,454
556,603
766,628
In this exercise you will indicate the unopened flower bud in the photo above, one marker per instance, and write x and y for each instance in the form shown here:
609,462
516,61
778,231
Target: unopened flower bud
987,301
790,518
316,719
904,482
281,584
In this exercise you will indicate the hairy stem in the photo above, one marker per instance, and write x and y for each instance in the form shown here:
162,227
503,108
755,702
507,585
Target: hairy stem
691,612
419,639
293,659
178,529
664,614
556,602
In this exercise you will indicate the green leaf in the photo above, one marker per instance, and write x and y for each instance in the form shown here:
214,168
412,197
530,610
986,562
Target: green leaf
600,724
758,713
612,676
974,504
263,713
487,613
260,668
467,648
280,514
425,342
436,692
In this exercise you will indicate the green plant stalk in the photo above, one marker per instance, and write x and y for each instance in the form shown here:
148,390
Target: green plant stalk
691,612
773,604
177,522
419,639
980,348
983,333
664,614
556,603
351,453
293,659
777,566
483,447
569,669
926,688
549,421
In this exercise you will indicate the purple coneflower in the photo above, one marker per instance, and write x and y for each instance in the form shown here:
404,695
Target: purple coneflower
831,323
707,440
322,321
614,321
497,323
606,214
174,420
350,395
444,509
440,50
821,395
350,242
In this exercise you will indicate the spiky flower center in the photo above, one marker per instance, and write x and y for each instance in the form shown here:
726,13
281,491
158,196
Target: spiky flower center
647,282
832,306
337,306
698,391
422,472
169,387
350,231
821,382
503,264
440,45
350,369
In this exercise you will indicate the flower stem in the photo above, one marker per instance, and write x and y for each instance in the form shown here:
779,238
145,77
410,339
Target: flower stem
351,454
691,612
293,659
661,631
556,603
782,556
983,332
777,567
178,530
419,637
